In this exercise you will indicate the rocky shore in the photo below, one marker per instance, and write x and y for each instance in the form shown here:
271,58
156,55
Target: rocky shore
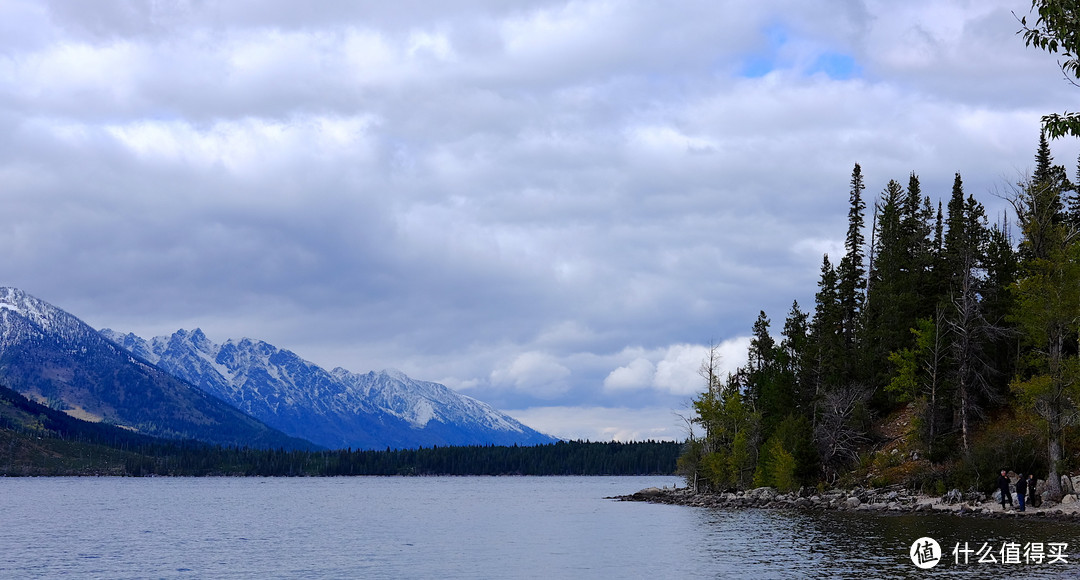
888,500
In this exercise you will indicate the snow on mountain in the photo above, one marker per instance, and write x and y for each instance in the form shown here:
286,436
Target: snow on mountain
53,357
336,409
23,316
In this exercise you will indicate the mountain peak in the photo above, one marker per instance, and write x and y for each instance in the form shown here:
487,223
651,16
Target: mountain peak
50,355
336,409
394,374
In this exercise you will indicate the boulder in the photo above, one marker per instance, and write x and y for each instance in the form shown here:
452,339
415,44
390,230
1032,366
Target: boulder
649,492
953,497
1069,498
762,493
852,502
1066,485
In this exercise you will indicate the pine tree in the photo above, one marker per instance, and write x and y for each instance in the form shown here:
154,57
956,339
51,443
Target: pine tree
1048,305
826,331
794,349
888,303
955,246
851,274
1001,268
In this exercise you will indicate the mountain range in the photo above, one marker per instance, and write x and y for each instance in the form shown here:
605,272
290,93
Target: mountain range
242,392
56,359
335,409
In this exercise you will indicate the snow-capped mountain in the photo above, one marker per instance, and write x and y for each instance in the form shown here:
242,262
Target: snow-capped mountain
55,358
336,409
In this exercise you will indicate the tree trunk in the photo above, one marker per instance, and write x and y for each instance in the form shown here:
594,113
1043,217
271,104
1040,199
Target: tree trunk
1053,480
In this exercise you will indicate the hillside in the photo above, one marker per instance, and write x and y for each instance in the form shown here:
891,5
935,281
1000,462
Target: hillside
54,358
36,440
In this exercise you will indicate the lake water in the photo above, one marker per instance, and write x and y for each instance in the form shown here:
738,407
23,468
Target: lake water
467,527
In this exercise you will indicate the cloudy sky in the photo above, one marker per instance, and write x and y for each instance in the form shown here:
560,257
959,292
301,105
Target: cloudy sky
551,206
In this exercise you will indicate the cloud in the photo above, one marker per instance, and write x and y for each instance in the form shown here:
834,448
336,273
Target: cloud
639,374
606,423
547,203
677,368
537,373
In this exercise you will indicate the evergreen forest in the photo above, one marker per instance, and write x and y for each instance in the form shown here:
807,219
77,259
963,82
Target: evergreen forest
38,440
938,352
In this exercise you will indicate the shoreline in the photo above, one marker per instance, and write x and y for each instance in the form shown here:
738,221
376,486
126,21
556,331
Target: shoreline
885,501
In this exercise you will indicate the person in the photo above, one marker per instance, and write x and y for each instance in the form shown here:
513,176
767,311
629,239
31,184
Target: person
1003,485
1021,491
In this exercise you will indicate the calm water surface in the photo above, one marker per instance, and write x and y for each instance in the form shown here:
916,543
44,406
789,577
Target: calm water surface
463,527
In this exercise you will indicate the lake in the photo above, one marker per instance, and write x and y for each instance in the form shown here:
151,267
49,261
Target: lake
472,527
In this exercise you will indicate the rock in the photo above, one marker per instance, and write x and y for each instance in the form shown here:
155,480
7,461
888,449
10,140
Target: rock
649,492
762,493
1049,496
953,497
1070,498
1066,485
852,502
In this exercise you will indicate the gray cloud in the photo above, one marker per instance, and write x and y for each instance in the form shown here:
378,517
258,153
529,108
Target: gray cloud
547,205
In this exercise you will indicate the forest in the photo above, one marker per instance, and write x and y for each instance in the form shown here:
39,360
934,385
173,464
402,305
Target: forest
37,440
936,353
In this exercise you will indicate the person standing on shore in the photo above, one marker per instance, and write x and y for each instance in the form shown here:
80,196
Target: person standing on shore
1021,491
1033,498
1003,486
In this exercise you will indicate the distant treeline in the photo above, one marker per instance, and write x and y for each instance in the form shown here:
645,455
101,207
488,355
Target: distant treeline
37,440
562,458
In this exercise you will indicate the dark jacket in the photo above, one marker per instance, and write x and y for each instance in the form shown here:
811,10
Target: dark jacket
1003,484
1021,486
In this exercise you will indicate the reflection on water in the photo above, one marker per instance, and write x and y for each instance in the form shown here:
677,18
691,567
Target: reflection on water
786,544
463,527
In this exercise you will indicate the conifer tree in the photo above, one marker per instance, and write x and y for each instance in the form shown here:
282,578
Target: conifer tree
1048,306
955,246
826,331
851,272
794,349
888,303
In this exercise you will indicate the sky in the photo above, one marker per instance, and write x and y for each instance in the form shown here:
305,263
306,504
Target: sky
554,207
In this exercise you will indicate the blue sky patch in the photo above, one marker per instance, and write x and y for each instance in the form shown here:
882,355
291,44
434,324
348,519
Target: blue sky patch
764,62
836,65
